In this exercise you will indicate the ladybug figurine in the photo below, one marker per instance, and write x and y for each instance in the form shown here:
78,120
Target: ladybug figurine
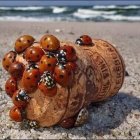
8,59
63,75
47,63
10,86
23,42
16,114
30,78
70,54
20,98
84,40
47,84
50,43
33,54
16,69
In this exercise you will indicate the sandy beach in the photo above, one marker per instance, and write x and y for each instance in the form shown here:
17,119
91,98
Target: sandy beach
119,117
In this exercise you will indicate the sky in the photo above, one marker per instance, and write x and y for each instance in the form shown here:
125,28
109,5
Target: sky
66,2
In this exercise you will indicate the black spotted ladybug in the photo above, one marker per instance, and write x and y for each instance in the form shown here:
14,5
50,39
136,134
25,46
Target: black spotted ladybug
23,42
68,123
50,43
16,114
47,84
8,59
47,63
33,54
20,98
84,40
69,53
16,69
30,78
63,75
71,66
10,86
61,57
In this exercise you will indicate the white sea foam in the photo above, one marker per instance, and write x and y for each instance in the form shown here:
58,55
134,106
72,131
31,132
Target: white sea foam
21,18
121,18
115,6
36,19
106,15
131,7
96,13
31,8
58,9
86,13
104,7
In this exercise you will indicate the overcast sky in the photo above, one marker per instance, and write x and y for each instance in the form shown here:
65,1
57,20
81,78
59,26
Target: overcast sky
65,2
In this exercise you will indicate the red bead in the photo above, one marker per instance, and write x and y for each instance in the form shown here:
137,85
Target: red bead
10,86
30,79
68,123
15,114
62,75
33,54
20,98
8,59
50,43
70,52
23,42
16,70
47,63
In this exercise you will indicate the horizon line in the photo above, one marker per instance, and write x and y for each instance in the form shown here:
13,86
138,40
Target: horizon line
66,2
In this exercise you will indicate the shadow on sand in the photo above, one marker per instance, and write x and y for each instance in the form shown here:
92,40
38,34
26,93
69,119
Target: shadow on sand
104,116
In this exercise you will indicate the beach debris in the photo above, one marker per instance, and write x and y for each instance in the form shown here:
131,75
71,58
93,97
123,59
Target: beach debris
71,33
126,73
47,31
58,30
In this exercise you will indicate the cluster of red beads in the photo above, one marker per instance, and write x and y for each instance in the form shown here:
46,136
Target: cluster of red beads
49,64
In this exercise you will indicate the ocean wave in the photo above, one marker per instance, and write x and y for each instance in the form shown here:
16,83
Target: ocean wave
83,18
132,7
58,9
116,7
57,13
31,8
104,7
36,19
121,18
85,13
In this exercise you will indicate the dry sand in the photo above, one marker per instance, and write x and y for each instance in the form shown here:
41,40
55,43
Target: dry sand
119,117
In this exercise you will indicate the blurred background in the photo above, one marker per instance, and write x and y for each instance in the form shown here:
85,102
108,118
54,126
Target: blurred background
70,10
